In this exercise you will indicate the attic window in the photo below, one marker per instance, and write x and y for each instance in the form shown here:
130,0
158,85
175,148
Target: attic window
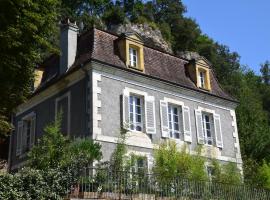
131,51
203,78
133,57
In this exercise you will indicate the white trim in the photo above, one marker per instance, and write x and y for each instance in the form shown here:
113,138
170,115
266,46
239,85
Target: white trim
96,78
163,91
173,101
202,109
236,144
28,116
68,111
134,143
50,91
128,90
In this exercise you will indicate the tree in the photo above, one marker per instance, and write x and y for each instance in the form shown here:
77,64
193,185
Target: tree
23,22
265,70
56,151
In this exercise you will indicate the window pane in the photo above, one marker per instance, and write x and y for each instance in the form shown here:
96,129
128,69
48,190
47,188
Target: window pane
138,101
138,118
176,126
131,108
138,110
176,118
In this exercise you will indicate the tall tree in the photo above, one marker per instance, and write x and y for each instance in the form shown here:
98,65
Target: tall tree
265,70
25,28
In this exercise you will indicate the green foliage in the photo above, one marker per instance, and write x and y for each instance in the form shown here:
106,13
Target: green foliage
118,157
32,184
226,173
56,151
54,165
23,22
171,163
264,175
51,148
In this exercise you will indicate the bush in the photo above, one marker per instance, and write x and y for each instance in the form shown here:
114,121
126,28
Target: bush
171,163
55,164
226,173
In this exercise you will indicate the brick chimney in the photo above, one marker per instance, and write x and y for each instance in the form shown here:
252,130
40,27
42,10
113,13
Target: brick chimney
68,44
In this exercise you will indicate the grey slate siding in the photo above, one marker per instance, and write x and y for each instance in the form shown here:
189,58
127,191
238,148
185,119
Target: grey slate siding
45,114
111,91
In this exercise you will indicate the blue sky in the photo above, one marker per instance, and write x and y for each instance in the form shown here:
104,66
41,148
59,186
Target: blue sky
243,25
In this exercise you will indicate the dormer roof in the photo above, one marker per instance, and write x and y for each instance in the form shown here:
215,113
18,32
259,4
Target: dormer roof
101,46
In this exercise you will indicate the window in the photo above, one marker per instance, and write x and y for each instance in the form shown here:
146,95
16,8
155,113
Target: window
133,57
136,112
174,114
207,122
139,164
26,133
202,78
62,108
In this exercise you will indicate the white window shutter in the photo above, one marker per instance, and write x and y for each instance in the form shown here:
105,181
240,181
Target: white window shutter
164,118
33,130
218,132
150,118
200,137
19,138
186,123
125,109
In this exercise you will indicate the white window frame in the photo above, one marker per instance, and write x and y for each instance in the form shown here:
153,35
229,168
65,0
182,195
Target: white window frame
133,57
207,110
172,131
211,128
68,112
133,123
202,78
26,118
147,155
177,104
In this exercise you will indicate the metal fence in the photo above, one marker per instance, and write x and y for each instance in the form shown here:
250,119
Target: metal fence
108,184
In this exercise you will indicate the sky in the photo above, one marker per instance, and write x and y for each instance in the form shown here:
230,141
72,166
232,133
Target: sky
243,25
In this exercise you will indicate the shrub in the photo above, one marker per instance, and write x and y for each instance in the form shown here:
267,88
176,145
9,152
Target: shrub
171,163
226,173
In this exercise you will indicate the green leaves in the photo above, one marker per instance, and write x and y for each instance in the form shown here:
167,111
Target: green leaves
25,28
170,162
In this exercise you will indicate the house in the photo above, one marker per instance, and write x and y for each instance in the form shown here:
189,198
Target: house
103,81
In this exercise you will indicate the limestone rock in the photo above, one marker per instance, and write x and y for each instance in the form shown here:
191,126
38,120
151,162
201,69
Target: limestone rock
151,36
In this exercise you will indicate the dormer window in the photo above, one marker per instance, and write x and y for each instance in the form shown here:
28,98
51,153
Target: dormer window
202,79
199,72
131,51
133,57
